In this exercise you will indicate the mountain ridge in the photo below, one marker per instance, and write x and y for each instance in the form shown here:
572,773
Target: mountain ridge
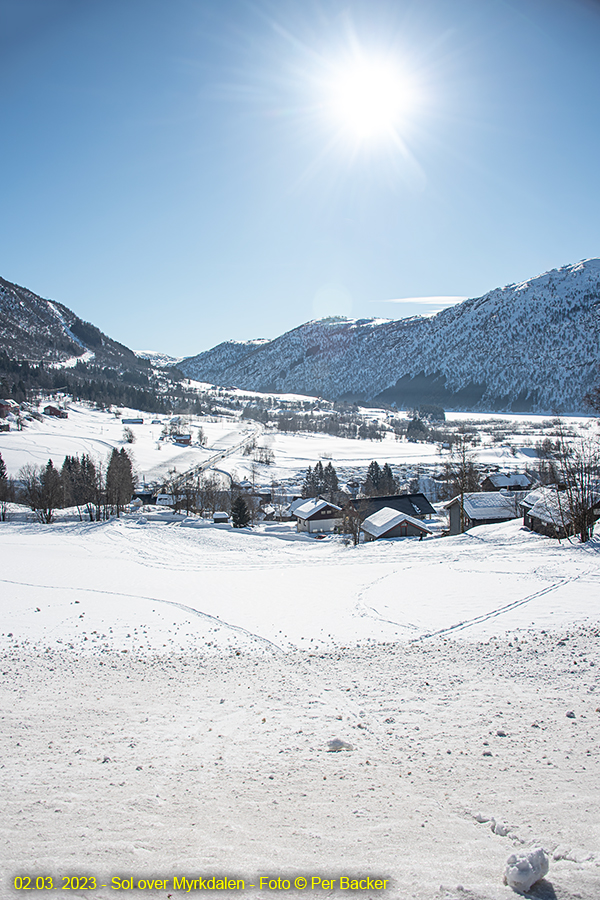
532,346
41,330
529,346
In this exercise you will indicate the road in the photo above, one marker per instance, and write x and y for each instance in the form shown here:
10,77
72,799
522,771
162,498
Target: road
211,462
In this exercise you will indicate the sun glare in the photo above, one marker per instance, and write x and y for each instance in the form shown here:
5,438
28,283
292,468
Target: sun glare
369,99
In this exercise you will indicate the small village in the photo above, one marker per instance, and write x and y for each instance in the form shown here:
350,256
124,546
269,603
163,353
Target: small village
555,493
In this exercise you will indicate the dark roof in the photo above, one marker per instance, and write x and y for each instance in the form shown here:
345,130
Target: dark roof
411,504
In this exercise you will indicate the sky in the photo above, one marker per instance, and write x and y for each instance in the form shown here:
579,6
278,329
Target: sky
185,172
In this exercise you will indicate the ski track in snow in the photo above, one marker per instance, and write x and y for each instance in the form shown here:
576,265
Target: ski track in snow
215,620
499,611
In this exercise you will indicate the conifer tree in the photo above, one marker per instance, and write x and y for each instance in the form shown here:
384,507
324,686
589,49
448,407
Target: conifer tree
119,480
372,481
387,483
330,481
240,514
6,490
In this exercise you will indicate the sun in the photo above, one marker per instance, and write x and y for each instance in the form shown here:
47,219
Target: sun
369,98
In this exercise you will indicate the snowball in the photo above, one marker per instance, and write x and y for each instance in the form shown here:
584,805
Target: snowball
524,869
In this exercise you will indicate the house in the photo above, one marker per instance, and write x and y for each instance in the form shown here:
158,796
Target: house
6,407
511,481
316,515
147,497
482,508
183,440
56,412
389,523
220,518
415,505
546,510
132,421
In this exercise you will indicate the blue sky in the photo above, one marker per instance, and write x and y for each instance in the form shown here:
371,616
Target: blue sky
179,172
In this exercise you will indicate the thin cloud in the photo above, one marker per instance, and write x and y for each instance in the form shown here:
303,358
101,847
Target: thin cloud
440,300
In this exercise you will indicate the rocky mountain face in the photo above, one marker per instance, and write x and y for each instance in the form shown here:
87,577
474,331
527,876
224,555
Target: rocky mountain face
37,330
529,347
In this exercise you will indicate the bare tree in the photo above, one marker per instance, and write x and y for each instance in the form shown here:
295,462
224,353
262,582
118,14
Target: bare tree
351,522
579,468
462,473
41,490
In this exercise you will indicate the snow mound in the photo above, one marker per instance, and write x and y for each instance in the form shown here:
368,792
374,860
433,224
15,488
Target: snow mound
524,869
336,745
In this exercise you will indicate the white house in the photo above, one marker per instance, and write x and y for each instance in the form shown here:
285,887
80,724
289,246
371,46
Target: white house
316,515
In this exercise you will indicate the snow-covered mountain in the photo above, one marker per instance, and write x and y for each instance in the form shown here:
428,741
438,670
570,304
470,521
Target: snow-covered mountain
36,329
158,359
533,346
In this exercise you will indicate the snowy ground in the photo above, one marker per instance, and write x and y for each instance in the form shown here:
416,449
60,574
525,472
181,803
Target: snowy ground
170,688
160,581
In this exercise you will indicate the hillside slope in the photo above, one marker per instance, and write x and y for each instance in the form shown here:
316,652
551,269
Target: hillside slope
36,329
533,346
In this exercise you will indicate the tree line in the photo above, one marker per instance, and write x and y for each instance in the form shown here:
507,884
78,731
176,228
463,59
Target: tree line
98,491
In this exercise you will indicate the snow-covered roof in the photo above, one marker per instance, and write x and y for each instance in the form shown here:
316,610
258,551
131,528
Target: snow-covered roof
502,480
385,519
553,509
312,506
488,505
550,505
295,504
543,492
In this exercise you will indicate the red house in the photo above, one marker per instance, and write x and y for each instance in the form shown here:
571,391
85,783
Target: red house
56,412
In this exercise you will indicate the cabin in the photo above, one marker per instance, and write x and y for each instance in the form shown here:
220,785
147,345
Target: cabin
220,518
389,523
507,481
546,511
183,440
147,497
56,412
415,505
316,515
132,421
481,508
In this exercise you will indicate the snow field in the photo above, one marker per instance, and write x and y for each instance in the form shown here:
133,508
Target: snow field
169,582
163,764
